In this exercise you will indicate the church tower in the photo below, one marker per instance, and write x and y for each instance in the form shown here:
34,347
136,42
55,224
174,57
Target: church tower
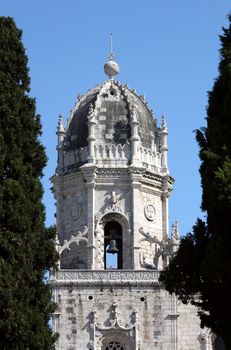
112,186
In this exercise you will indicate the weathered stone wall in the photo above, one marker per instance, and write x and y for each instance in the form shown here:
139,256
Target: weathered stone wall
143,317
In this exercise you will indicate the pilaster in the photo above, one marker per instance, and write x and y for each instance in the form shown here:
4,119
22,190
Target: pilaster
136,175
88,171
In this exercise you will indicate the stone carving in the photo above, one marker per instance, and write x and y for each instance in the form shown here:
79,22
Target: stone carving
80,237
154,265
75,211
114,321
114,198
165,248
75,207
112,207
90,112
108,277
149,212
99,242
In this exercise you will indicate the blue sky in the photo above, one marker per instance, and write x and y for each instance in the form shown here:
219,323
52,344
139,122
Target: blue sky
167,50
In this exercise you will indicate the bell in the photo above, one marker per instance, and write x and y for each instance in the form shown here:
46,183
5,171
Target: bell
112,248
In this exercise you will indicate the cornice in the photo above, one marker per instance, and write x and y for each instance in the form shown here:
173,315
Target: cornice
106,278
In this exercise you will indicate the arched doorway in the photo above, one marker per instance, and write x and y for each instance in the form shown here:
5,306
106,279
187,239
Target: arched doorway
113,237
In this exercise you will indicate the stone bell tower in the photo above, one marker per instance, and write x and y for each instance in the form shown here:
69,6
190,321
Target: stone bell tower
111,187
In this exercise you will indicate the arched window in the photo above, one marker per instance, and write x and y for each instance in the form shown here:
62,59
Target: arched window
113,247
114,345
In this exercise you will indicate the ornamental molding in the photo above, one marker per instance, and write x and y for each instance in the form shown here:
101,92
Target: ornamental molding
102,172
106,277
80,237
114,321
113,208
153,177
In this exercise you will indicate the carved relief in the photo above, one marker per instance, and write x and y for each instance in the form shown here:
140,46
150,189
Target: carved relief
112,207
114,322
75,257
75,211
114,331
99,233
75,208
165,249
150,212
107,276
80,237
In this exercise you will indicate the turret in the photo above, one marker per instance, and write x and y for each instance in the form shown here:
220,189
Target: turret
164,144
91,133
60,134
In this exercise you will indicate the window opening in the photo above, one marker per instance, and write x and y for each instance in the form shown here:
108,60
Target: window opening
113,245
114,345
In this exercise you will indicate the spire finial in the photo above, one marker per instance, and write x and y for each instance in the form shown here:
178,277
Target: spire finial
60,128
163,122
111,55
111,68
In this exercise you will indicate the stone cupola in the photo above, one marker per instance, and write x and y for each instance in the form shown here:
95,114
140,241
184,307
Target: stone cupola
111,125
112,176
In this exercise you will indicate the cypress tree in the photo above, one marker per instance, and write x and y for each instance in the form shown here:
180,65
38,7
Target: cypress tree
26,246
201,270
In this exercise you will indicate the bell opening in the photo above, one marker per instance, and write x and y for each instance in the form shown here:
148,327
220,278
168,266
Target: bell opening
112,245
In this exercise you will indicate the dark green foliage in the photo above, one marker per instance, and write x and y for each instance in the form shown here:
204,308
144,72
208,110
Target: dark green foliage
26,246
202,266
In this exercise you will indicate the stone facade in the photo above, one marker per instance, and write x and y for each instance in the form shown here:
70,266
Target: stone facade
130,307
111,187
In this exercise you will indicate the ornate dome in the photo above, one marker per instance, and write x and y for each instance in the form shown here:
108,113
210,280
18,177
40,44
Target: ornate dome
112,104
111,126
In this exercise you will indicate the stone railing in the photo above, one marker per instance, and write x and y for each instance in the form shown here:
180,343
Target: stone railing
106,277
118,154
111,155
76,156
